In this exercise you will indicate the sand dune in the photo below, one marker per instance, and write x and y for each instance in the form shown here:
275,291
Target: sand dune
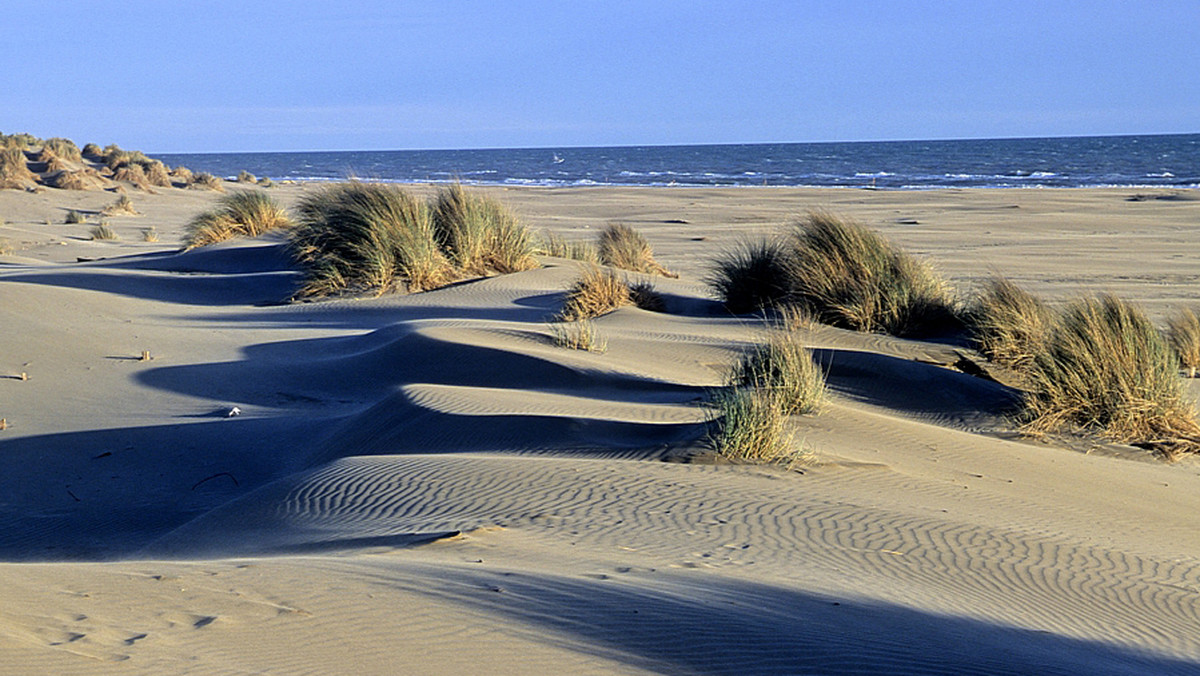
427,484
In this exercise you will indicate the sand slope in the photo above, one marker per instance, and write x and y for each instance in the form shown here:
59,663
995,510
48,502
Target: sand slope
427,484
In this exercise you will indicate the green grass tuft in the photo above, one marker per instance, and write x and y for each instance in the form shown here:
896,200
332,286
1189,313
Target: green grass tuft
1107,368
783,368
750,425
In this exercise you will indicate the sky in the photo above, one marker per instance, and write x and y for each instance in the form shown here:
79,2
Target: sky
224,76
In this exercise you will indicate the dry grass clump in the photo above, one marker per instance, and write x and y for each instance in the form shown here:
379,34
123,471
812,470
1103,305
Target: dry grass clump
103,232
479,234
849,276
579,335
246,177
550,244
73,217
79,179
266,182
64,148
238,214
92,151
1009,324
132,173
123,206
1183,334
367,236
181,175
783,368
645,296
620,246
14,172
205,181
150,234
597,291
1106,367
157,174
751,275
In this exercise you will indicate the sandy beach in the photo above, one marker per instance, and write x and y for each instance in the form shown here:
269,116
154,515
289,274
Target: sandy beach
427,484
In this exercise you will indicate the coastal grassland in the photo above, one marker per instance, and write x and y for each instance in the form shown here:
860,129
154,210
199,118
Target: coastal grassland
479,234
620,246
1183,334
1009,325
783,368
238,214
750,275
1107,368
851,277
366,236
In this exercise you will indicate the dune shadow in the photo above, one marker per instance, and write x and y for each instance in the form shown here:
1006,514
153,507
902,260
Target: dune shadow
915,388
672,623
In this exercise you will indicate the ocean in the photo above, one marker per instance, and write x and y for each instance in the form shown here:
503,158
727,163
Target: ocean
1075,162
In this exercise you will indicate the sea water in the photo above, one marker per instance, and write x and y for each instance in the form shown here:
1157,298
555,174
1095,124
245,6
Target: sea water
1074,162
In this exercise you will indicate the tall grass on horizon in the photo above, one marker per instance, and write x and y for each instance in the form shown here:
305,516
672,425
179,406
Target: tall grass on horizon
850,276
1107,368
367,236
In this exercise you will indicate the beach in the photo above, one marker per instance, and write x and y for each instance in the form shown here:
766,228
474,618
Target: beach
198,475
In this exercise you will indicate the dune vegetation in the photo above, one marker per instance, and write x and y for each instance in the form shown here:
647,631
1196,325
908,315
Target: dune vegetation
1183,334
358,236
1010,325
553,244
479,234
596,292
579,335
1107,368
750,275
783,368
238,214
620,246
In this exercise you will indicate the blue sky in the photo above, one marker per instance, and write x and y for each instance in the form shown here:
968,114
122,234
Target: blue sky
251,76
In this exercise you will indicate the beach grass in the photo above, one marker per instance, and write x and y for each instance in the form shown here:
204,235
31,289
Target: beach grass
205,181
579,335
150,234
238,214
365,236
596,292
479,234
122,206
645,296
73,217
92,151
1183,334
851,277
14,170
181,175
64,148
1009,325
103,232
748,424
1107,368
551,244
246,177
157,174
132,173
782,367
750,275
620,246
